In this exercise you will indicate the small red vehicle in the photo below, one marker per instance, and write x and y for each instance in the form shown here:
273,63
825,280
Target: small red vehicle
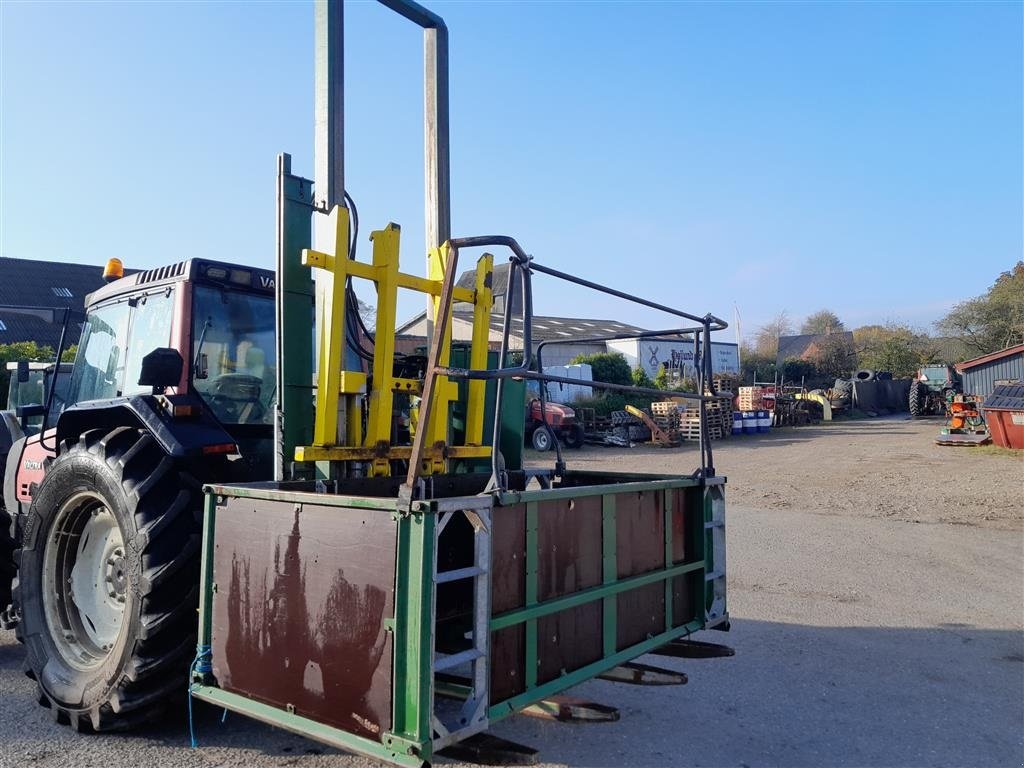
562,421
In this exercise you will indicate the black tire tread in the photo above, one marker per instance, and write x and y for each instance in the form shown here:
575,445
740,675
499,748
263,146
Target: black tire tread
168,540
8,565
915,405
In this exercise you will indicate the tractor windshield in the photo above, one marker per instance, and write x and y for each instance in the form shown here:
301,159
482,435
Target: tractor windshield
233,354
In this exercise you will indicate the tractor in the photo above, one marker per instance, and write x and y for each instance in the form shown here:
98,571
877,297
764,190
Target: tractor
561,425
172,386
932,390
30,384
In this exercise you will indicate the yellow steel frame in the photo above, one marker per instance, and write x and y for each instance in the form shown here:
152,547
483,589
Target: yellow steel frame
335,383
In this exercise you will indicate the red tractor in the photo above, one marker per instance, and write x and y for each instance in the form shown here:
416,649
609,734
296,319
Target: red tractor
173,386
561,421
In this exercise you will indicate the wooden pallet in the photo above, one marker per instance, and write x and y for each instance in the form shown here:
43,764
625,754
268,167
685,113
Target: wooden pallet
664,407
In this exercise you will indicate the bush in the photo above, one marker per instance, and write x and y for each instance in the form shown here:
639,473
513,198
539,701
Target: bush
661,378
604,404
641,379
609,367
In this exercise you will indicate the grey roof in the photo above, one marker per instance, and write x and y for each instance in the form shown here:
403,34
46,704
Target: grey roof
43,289
552,328
797,346
546,327
499,279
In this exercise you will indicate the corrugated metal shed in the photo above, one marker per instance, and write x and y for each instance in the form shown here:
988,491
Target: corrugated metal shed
983,373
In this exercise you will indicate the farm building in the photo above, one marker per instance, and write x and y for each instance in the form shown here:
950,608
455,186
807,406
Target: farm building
34,294
982,374
566,330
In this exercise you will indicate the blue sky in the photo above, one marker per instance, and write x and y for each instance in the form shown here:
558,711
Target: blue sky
864,157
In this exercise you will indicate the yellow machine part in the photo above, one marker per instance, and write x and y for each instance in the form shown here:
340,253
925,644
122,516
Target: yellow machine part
335,383
826,406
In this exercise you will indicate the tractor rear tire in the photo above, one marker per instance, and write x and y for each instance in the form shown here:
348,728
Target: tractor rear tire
918,400
108,582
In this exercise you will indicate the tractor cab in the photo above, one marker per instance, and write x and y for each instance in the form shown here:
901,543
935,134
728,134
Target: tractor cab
218,317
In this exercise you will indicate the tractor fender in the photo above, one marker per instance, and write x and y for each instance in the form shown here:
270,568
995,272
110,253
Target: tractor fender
181,437
11,466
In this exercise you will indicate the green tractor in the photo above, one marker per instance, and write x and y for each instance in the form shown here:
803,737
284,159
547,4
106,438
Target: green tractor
932,390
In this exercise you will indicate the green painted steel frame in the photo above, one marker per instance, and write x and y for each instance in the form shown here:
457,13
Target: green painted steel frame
700,560
410,742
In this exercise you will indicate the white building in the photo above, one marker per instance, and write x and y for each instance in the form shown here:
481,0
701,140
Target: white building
675,354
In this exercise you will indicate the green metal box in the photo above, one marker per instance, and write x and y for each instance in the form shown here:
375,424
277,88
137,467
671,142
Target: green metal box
330,612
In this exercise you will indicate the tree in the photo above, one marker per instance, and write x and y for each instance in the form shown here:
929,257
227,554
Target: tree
69,354
991,322
891,347
766,342
834,356
822,321
754,366
609,367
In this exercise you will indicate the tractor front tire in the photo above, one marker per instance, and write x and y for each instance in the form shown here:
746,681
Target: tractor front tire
108,582
541,439
918,400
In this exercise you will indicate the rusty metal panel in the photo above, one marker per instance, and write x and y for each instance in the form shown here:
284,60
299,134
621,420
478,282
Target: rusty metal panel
569,546
680,501
639,532
508,660
568,640
684,589
508,558
641,614
301,596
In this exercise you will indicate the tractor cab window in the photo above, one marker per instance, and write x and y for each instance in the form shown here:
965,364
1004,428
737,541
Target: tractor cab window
99,365
151,329
233,354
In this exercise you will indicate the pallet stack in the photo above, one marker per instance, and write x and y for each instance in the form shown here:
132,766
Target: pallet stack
676,418
666,416
719,413
751,398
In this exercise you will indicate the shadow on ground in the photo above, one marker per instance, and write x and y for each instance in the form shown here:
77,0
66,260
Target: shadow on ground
793,695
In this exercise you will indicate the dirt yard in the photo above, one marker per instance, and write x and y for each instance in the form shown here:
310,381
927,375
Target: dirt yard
888,468
877,602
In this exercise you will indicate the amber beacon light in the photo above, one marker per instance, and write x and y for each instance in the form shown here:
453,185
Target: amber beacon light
113,271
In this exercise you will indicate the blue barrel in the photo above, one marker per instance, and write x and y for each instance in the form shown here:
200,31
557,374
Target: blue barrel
737,423
764,421
749,422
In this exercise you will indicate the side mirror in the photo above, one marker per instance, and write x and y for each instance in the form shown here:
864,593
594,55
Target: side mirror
22,371
161,368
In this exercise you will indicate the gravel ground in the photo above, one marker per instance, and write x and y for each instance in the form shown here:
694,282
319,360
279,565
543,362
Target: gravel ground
877,598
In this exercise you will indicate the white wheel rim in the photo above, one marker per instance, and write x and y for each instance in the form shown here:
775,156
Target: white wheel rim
85,581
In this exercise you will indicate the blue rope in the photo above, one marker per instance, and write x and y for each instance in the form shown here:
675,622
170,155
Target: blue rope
202,664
